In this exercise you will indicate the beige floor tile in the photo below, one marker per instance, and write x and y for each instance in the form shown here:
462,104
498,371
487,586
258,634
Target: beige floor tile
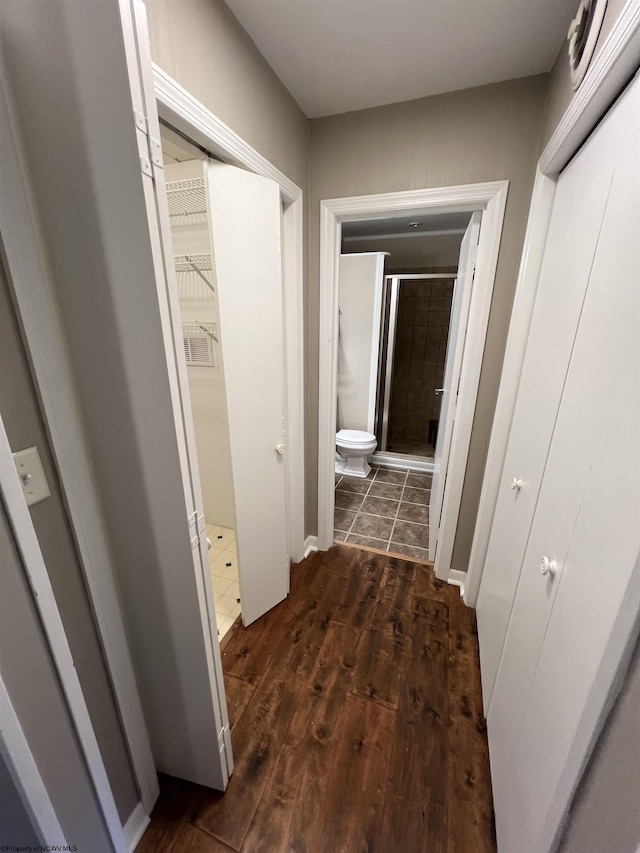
230,572
220,586
226,604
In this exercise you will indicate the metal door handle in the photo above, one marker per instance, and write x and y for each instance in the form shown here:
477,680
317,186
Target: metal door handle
439,391
280,448
548,567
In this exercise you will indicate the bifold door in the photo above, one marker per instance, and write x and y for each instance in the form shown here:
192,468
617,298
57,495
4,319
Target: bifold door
245,233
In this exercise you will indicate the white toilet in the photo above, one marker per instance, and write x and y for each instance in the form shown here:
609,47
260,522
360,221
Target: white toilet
353,448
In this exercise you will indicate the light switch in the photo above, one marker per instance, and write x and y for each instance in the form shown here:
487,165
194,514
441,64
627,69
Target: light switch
31,473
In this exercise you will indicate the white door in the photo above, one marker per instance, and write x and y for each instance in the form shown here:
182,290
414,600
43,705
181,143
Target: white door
453,364
245,232
554,678
578,210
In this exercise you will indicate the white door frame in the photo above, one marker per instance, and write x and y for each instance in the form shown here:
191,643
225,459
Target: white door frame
181,110
491,199
26,775
613,67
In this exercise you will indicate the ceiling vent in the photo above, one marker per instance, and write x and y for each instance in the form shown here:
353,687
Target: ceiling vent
583,36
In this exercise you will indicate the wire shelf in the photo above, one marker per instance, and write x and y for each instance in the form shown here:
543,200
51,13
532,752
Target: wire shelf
184,263
186,197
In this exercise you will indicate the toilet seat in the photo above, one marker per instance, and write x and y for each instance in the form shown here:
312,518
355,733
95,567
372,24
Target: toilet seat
354,438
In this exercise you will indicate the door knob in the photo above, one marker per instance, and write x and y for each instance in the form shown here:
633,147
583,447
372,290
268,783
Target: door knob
548,567
439,391
280,448
516,484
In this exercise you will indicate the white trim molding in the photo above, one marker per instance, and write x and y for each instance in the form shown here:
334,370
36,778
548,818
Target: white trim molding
615,64
51,621
182,111
135,826
310,545
490,198
17,755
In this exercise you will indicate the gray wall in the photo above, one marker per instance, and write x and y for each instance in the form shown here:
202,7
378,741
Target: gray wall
68,82
41,708
484,134
605,814
24,425
15,824
202,46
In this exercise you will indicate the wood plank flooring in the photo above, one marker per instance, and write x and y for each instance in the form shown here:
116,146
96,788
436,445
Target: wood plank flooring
356,722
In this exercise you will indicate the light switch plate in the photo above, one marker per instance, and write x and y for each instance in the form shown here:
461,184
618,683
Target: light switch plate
31,473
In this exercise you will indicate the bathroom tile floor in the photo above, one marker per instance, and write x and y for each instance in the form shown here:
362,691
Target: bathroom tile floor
389,511
223,561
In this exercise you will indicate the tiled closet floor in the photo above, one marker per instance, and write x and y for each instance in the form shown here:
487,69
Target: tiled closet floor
223,561
389,510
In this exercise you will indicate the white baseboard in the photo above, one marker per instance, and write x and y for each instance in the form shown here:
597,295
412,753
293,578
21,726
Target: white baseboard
457,578
135,826
310,545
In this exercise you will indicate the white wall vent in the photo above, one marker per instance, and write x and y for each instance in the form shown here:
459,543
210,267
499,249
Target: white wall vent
199,340
583,37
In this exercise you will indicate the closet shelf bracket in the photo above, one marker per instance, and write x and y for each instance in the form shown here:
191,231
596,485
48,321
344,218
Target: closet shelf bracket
189,260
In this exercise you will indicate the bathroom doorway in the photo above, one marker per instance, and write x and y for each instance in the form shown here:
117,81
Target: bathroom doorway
436,452
405,279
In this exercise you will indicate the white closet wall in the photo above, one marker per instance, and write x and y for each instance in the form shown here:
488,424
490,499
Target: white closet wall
550,641
190,235
360,307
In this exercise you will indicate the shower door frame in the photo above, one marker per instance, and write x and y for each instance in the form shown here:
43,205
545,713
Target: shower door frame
490,199
384,455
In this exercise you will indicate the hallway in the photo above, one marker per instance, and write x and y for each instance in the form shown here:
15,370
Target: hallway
356,720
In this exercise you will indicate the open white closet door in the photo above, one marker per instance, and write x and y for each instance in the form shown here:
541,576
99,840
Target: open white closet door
245,235
453,364
197,744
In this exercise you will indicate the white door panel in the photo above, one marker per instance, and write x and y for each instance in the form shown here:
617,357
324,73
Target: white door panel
576,218
548,676
245,229
453,364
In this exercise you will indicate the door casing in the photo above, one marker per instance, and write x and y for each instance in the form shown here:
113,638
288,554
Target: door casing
490,198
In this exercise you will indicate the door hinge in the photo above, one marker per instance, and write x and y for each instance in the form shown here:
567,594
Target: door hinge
224,746
473,254
193,530
153,155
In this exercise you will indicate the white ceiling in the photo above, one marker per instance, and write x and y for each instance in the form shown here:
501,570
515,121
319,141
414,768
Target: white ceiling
340,55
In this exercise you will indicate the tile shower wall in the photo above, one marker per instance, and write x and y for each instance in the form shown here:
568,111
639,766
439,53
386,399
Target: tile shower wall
422,329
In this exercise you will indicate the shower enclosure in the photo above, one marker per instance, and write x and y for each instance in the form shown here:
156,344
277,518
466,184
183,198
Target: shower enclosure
415,330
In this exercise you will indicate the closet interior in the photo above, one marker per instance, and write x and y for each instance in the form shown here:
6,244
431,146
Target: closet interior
185,175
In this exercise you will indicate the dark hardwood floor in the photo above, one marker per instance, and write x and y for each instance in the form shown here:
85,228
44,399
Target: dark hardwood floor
356,722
